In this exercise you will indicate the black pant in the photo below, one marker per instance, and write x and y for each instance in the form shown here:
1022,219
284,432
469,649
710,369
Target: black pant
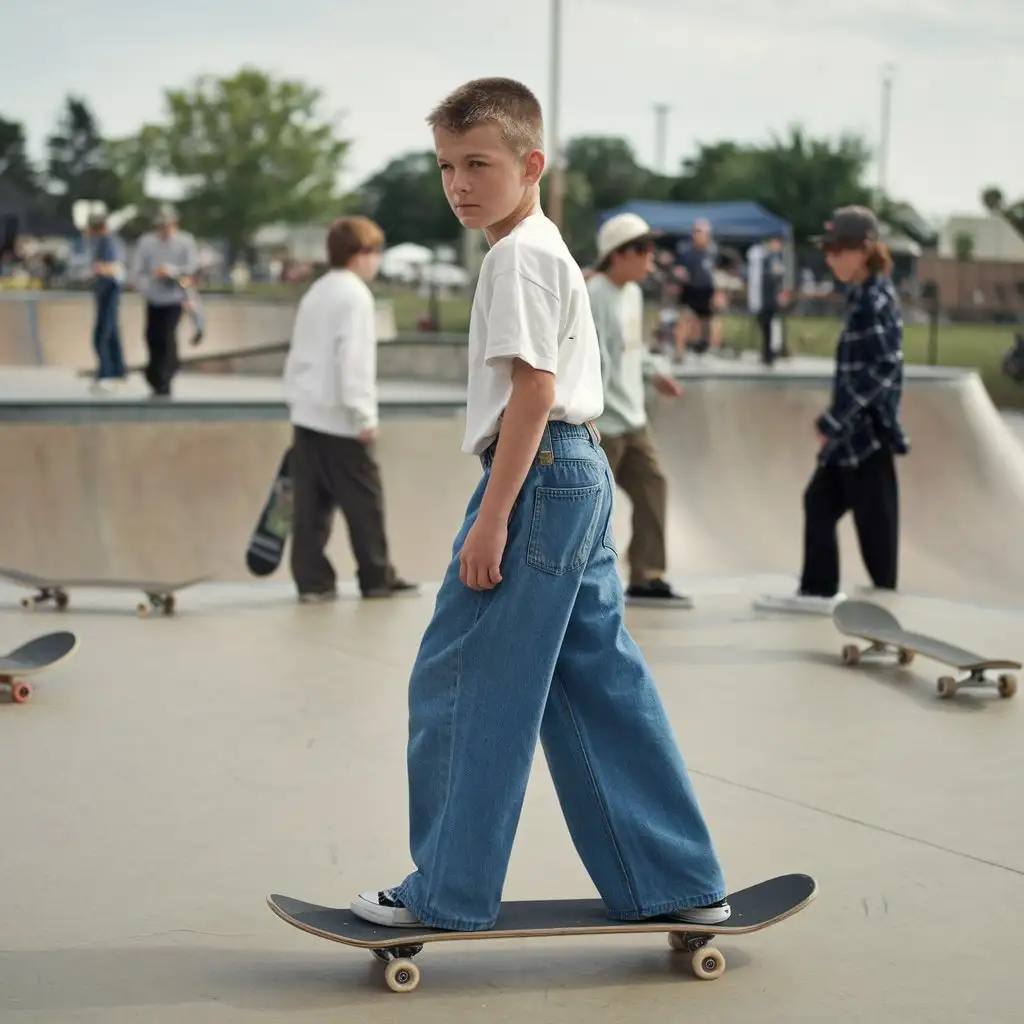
871,492
162,342
330,472
765,318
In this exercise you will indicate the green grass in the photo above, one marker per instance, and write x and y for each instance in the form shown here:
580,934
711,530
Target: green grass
977,346
980,347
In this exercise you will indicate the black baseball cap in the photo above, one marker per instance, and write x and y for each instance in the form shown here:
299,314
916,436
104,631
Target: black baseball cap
850,226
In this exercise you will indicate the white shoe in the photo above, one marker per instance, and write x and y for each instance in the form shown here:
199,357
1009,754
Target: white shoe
717,913
385,909
809,603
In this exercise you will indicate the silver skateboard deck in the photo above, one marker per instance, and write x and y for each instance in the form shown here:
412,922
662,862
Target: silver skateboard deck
160,594
886,636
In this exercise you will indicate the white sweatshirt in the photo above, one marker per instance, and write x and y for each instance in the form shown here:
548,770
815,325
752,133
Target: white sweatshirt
330,374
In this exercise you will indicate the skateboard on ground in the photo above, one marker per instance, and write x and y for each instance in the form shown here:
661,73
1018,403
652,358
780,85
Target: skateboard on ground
159,593
41,653
266,545
885,635
754,908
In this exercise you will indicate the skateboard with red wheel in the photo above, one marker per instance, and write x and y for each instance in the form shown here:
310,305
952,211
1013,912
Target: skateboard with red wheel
34,656
753,908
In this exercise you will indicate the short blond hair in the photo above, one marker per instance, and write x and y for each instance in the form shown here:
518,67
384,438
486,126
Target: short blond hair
503,102
349,236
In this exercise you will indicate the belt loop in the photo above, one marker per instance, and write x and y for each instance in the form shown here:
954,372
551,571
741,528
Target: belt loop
546,455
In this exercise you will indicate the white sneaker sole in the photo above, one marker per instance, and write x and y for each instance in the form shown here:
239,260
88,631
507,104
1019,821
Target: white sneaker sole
366,907
704,915
794,603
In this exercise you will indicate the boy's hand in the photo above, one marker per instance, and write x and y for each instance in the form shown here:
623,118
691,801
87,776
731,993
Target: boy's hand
667,385
480,558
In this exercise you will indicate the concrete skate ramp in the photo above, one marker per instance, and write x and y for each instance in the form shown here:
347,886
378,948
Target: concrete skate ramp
739,452
126,495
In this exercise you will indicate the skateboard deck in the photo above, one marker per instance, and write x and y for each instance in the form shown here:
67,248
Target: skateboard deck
34,656
266,545
753,908
159,593
886,636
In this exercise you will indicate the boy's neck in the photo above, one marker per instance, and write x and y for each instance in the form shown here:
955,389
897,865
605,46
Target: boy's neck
529,205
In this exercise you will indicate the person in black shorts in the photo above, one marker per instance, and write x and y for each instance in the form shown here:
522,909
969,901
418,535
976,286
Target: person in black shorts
696,270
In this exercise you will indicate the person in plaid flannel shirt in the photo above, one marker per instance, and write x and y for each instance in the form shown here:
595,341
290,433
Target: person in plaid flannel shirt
860,433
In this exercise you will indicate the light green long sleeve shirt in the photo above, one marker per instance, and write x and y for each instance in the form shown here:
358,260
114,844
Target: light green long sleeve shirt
625,360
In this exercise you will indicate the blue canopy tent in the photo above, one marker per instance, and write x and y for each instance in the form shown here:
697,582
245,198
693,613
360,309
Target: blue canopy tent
741,223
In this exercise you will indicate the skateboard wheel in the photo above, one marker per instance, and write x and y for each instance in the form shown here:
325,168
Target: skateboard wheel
708,963
946,687
142,609
402,975
62,600
851,654
20,692
904,657
169,605
1007,685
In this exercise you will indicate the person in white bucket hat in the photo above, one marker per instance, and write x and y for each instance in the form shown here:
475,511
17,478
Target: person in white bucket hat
625,256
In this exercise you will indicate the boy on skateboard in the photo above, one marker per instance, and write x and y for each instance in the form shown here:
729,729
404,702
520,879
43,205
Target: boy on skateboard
625,256
527,638
860,433
331,378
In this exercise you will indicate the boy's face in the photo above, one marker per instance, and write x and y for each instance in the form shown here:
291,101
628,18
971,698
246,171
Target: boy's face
484,180
846,264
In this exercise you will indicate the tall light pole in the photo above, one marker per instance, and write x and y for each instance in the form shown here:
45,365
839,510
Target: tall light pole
883,147
660,136
556,192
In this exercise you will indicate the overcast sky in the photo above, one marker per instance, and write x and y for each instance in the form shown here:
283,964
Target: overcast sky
731,69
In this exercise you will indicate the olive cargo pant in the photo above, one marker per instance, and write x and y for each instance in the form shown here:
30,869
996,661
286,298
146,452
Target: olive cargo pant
634,462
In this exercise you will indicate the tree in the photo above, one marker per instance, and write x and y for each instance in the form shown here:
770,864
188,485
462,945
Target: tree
407,200
994,200
608,163
799,178
15,167
250,151
76,165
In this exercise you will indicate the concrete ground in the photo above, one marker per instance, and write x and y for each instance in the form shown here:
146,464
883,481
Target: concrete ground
175,771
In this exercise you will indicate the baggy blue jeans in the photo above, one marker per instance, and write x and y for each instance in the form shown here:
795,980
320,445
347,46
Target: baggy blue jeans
546,653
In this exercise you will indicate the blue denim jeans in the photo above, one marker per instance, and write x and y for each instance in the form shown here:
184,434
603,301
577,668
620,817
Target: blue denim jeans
546,653
106,335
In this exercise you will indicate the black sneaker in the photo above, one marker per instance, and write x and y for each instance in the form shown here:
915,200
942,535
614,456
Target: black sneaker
657,593
397,586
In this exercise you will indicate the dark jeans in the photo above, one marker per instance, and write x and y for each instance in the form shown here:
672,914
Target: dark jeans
330,472
106,334
871,492
162,342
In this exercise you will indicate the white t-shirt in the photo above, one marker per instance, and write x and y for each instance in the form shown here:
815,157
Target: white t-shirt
531,303
331,370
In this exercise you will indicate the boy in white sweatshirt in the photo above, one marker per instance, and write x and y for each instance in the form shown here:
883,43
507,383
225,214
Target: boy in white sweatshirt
331,380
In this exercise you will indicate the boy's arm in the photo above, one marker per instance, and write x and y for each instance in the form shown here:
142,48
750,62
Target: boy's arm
523,329
357,364
140,266
876,356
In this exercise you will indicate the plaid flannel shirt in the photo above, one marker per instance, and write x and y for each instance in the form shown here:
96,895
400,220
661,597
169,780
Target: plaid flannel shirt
864,415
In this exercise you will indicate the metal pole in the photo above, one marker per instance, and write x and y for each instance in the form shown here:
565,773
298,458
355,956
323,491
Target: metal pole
883,148
556,193
660,136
